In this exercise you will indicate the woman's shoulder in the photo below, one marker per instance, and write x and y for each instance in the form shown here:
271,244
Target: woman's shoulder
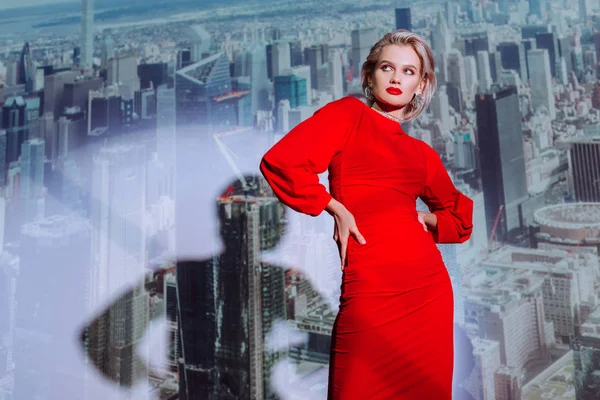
348,105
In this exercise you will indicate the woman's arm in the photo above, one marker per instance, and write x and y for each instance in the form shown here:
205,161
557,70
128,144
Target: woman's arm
452,219
292,165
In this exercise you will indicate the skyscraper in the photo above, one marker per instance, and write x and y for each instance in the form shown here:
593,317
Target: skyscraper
541,81
584,168
87,33
484,72
231,302
549,42
362,41
501,157
403,19
119,246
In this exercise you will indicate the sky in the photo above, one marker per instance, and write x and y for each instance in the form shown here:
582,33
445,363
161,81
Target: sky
6,4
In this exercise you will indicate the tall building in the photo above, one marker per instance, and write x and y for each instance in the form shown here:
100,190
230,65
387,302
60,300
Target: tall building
51,300
251,63
541,81
456,71
200,42
403,19
27,68
14,121
483,71
313,56
31,185
199,86
549,42
87,33
513,56
583,10
362,41
119,247
232,302
278,58
584,160
501,157
292,88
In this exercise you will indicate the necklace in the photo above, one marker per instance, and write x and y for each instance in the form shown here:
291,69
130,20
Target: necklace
385,114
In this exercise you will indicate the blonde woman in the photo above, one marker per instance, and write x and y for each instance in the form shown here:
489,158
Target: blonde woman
393,335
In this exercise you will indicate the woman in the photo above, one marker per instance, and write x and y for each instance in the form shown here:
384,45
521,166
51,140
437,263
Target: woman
393,335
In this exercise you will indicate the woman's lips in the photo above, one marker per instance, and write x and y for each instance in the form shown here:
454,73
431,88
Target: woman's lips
394,91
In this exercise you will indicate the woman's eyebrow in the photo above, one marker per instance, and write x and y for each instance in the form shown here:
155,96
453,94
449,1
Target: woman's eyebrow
389,62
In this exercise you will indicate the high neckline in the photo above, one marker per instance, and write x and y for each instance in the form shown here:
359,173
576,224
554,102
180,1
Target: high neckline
380,116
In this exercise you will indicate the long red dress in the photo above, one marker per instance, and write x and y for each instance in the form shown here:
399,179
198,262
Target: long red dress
393,335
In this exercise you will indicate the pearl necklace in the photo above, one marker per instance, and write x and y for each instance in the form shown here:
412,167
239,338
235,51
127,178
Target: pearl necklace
385,114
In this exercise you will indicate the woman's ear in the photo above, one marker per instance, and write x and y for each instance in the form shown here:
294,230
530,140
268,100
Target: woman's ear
422,85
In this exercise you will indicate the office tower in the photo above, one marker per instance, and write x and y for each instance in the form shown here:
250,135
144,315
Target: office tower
362,41
232,301
541,81
292,88
117,212
470,44
76,94
336,75
3,165
464,150
31,185
441,37
538,8
440,106
152,75
549,42
199,85
513,56
108,51
313,56
450,11
456,72
565,50
583,10
26,68
54,87
483,71
200,42
252,63
87,34
278,58
51,302
403,19
296,53
14,121
584,162
105,112
501,157
122,71
471,81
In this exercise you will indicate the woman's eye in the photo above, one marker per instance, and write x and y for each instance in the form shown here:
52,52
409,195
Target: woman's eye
385,66
409,70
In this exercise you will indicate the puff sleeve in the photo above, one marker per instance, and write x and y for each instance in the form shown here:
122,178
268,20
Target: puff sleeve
292,165
453,209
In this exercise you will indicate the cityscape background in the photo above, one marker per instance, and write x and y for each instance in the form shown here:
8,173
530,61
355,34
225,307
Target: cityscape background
142,255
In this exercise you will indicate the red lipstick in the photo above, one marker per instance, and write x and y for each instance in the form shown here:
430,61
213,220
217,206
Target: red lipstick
394,91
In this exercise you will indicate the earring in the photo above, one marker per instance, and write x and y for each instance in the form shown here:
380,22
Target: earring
369,93
418,100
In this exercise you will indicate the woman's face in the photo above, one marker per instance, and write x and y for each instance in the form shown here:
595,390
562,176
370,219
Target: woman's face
396,77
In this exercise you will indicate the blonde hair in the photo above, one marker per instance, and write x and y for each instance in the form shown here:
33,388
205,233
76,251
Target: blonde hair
402,37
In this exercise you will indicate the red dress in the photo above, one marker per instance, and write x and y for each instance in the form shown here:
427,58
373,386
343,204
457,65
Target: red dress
393,335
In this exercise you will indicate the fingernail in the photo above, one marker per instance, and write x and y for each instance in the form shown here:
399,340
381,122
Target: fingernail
363,241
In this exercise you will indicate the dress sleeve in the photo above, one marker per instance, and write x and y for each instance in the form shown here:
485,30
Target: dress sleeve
453,209
292,165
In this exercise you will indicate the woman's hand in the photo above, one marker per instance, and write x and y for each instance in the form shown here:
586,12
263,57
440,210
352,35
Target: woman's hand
345,225
427,219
